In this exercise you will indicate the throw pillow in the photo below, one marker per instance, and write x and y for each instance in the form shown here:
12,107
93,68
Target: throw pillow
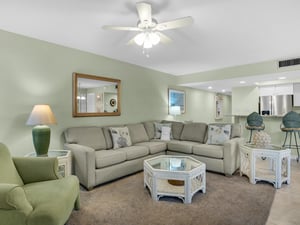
158,127
218,134
120,137
165,133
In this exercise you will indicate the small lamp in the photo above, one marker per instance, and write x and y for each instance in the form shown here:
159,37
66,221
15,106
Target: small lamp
175,110
41,116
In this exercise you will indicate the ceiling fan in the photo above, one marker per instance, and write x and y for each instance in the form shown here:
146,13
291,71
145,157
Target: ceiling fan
149,29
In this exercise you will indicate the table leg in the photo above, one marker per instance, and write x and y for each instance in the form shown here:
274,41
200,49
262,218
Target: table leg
296,145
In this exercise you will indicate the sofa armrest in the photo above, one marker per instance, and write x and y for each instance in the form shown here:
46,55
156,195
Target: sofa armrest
84,162
232,155
12,197
36,169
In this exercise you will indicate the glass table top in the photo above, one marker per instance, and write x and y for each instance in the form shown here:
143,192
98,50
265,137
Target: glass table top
52,153
268,147
173,163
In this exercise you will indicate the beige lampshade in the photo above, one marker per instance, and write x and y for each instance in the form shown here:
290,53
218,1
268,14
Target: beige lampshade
175,110
41,115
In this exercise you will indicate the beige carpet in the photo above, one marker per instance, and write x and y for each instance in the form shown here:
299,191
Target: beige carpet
227,201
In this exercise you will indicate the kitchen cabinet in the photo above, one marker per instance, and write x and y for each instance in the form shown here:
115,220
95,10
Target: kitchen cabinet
297,94
283,89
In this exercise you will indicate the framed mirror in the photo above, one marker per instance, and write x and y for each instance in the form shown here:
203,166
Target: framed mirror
95,96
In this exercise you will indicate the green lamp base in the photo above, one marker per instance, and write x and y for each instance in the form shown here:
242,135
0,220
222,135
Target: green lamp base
41,139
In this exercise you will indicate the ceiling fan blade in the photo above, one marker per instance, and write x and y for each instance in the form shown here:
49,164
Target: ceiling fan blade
107,27
131,41
145,12
173,24
164,38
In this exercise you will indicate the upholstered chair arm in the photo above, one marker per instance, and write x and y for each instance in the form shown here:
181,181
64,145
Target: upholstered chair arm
36,169
232,155
12,197
84,161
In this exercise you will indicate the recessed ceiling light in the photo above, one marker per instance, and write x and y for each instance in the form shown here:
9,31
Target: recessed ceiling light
223,90
210,87
281,78
242,82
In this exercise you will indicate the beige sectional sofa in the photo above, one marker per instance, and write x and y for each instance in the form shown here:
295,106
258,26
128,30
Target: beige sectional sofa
96,162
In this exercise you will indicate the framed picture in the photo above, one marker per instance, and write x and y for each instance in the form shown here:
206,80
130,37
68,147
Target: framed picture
219,107
177,98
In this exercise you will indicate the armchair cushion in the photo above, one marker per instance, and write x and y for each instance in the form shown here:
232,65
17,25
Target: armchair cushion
40,169
51,200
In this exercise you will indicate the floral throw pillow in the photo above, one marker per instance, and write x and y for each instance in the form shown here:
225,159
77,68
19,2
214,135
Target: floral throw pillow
218,134
165,133
158,127
120,136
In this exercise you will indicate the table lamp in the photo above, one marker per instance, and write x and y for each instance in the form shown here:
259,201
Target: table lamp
175,110
41,116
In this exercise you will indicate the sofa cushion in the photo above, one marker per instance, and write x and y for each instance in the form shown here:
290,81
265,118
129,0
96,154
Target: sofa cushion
213,151
106,158
89,136
134,152
154,147
181,146
121,137
137,133
177,128
194,132
218,134
150,129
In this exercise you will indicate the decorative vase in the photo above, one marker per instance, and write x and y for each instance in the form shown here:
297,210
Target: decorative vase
261,139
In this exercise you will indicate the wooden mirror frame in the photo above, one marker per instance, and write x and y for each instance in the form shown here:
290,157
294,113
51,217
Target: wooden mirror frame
117,101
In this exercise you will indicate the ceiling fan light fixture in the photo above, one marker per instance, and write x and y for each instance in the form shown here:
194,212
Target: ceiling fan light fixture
154,38
147,42
140,39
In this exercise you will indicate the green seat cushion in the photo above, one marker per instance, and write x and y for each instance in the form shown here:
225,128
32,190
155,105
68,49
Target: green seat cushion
52,201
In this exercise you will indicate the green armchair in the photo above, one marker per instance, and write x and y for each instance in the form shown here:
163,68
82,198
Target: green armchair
33,193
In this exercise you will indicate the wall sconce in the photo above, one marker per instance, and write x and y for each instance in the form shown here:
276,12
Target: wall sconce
40,117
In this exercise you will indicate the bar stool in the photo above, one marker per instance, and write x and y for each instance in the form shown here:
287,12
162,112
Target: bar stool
291,125
254,123
290,131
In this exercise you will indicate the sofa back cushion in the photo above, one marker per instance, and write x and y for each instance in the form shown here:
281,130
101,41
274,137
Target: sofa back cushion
89,136
194,132
150,128
177,128
137,133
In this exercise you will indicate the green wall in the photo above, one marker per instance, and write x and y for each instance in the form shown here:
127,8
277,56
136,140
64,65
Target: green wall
36,72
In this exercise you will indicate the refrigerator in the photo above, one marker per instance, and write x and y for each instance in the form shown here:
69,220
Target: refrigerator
276,105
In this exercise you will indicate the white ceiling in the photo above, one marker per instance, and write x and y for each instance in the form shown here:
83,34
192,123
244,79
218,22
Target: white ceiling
224,33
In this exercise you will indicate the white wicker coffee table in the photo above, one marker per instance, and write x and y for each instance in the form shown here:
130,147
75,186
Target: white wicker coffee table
178,176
